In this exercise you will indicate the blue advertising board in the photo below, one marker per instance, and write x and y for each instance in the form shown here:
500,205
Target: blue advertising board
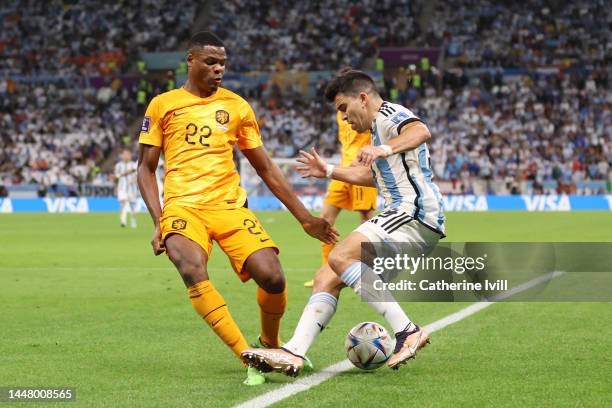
315,202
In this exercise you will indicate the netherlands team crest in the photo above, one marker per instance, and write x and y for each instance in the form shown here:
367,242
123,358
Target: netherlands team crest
222,117
179,224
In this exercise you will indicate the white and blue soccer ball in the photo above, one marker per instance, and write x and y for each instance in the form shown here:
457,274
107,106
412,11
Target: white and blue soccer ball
368,345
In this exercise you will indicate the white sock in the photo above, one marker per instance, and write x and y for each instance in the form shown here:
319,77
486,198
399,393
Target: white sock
389,309
315,317
132,215
124,213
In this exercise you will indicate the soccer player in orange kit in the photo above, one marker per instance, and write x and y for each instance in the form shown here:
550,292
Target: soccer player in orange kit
196,128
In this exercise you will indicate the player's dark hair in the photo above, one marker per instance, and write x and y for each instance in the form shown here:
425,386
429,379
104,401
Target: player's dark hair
349,81
203,38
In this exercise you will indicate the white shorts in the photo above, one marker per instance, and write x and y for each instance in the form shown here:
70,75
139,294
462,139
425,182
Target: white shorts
396,225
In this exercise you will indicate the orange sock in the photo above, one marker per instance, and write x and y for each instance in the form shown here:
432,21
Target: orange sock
209,304
272,307
326,249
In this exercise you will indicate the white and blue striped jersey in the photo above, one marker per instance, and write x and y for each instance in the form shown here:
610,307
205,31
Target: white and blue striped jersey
405,179
127,184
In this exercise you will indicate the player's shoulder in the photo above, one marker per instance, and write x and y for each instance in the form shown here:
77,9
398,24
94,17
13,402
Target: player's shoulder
168,100
170,95
395,113
232,97
389,109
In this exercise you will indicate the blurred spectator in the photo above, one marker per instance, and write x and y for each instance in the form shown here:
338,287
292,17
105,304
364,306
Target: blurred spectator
263,35
58,37
525,133
56,133
487,33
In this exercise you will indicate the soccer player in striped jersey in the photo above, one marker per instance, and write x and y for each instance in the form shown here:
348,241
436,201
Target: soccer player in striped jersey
127,187
397,162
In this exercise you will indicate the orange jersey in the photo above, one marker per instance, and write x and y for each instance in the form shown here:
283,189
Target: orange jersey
197,136
350,140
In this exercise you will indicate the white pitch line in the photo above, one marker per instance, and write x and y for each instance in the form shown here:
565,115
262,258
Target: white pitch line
305,383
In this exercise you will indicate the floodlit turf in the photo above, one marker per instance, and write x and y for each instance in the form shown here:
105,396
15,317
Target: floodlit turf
85,304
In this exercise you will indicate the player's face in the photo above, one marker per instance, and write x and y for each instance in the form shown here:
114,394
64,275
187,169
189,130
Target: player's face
353,110
206,67
127,156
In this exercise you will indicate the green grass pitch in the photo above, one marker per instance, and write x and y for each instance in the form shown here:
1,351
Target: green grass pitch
85,304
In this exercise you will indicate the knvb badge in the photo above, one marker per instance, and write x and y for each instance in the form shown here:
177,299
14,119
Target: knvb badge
179,224
222,117
146,124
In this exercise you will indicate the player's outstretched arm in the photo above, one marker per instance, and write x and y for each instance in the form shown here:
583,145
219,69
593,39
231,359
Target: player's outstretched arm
312,165
411,137
276,182
148,157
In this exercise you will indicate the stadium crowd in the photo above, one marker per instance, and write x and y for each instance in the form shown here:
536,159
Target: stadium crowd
546,128
307,36
59,37
57,132
487,33
540,129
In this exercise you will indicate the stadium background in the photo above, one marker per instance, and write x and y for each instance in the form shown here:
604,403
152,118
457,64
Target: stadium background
522,110
517,96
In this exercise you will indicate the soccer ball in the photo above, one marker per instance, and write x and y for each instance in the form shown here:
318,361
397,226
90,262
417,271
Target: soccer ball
368,346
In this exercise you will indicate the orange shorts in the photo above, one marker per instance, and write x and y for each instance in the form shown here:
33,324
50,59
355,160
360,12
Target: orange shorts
350,197
237,231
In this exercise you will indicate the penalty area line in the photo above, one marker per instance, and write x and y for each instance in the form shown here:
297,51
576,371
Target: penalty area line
310,381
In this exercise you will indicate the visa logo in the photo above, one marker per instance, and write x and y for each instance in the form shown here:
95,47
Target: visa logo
465,203
547,203
70,204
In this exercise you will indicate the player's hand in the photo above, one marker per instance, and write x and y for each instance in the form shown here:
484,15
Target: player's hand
156,242
355,163
320,229
312,165
368,154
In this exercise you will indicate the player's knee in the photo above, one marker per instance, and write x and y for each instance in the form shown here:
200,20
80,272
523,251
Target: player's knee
330,218
273,282
191,267
337,260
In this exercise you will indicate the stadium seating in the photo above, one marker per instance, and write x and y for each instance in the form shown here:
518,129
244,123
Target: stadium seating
86,36
268,36
523,109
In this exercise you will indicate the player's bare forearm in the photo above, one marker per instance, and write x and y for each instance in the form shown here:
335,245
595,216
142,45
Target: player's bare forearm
357,175
276,182
411,137
148,158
